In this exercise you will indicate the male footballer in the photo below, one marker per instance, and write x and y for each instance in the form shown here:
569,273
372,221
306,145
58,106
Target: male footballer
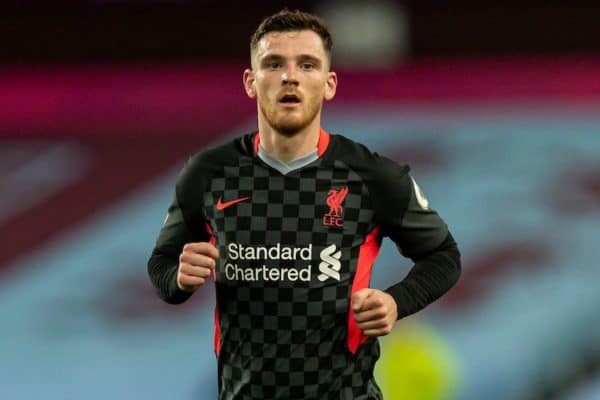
288,221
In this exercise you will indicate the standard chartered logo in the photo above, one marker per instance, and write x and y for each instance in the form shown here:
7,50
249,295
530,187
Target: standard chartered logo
295,266
330,263
250,272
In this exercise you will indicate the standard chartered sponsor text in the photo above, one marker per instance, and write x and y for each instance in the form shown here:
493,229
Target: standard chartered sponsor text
237,251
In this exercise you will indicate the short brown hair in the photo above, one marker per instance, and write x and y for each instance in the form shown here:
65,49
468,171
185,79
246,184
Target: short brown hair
287,21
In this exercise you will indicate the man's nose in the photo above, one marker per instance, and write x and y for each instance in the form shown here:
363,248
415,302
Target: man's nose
289,75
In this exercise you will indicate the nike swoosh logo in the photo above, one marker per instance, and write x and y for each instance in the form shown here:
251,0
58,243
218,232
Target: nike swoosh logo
222,206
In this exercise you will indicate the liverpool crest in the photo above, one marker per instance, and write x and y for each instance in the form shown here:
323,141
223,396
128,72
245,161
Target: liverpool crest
334,217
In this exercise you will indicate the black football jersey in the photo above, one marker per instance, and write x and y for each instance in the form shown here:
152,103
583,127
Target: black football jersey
293,248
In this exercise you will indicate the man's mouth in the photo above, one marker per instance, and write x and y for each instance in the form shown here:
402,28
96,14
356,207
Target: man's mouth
289,99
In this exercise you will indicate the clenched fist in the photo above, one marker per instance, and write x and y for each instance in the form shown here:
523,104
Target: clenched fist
196,263
375,311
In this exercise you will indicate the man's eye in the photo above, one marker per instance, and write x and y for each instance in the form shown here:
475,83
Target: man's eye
274,65
307,65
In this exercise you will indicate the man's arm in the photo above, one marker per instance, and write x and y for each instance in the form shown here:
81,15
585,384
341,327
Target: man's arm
431,276
182,259
421,235
163,264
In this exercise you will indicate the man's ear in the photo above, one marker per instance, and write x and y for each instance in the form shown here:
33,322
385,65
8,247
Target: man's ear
248,79
330,86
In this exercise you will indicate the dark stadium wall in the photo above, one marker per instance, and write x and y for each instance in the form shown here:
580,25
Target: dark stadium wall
34,32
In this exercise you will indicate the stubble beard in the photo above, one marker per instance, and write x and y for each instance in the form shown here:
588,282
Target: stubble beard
286,126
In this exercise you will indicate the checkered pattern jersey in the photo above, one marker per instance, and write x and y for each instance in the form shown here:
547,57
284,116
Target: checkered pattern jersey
282,335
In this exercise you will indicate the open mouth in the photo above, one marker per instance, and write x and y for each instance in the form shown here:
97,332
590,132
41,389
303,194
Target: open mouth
290,99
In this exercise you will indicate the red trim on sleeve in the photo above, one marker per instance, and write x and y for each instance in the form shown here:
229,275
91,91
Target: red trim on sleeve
217,332
366,257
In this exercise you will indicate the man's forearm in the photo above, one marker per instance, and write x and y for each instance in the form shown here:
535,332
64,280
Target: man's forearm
430,277
163,274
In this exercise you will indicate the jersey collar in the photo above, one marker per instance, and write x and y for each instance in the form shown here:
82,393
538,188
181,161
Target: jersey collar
322,144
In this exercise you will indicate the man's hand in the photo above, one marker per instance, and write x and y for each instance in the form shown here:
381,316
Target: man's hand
196,262
375,311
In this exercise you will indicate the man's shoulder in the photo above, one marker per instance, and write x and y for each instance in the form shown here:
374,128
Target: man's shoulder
222,154
388,182
344,147
361,158
210,161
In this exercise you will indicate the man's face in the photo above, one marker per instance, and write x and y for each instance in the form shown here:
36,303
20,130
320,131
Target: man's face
290,78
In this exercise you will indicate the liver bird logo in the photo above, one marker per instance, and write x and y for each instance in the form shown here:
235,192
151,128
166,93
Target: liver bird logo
335,198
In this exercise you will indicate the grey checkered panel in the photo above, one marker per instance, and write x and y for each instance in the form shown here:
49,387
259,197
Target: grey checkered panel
287,338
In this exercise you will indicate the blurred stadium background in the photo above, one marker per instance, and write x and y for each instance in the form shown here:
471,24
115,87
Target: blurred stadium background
496,105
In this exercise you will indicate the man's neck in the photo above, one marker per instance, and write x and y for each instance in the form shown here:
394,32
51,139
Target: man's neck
287,148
